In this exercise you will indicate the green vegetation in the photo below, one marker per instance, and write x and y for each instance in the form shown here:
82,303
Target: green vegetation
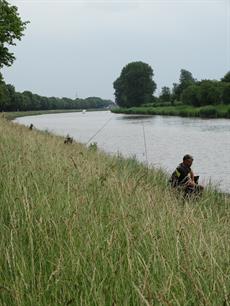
226,78
186,80
189,98
11,29
212,111
81,228
135,85
10,100
165,95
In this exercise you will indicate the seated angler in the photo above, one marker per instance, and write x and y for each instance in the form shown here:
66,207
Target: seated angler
183,177
68,139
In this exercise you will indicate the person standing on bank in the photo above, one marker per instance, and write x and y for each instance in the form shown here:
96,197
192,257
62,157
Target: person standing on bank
184,177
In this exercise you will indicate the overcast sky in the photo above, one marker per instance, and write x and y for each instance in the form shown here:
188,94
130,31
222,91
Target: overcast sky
78,48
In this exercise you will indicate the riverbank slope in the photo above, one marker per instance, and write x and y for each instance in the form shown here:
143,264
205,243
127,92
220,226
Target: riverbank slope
80,227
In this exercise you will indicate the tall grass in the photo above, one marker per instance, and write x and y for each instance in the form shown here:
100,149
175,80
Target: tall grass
81,228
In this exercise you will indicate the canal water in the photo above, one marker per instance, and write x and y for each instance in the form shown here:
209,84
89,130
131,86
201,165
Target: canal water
160,141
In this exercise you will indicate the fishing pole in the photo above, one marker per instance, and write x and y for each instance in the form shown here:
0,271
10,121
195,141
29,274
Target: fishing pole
100,129
145,144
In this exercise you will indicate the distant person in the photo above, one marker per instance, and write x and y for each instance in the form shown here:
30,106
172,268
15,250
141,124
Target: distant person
183,177
31,126
68,139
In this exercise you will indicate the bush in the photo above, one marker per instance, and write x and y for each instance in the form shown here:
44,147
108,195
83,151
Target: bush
208,112
228,113
209,92
226,94
191,95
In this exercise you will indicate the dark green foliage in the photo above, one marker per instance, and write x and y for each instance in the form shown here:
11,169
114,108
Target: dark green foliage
165,95
226,94
135,85
186,80
191,95
190,98
226,78
208,112
206,92
10,100
4,97
11,29
1,79
209,93
215,111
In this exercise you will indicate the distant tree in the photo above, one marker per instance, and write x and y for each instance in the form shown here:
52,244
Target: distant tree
4,98
33,103
226,94
191,95
53,103
1,79
209,92
19,102
175,93
226,78
12,105
206,92
11,29
186,80
135,85
165,95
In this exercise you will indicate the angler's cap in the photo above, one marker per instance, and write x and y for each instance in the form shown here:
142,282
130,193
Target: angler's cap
187,156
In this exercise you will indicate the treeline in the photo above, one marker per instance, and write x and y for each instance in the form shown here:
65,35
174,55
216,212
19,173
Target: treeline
197,93
135,87
10,100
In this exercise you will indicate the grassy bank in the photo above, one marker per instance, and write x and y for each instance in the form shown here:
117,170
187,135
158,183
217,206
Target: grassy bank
81,228
210,111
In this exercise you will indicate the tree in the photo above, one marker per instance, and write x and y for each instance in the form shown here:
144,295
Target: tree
191,95
226,94
186,80
175,93
4,98
11,29
1,79
12,99
226,78
165,95
135,85
209,92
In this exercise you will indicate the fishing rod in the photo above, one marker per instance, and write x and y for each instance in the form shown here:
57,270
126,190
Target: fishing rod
145,144
100,129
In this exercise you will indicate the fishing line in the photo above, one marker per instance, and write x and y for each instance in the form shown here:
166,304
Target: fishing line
100,129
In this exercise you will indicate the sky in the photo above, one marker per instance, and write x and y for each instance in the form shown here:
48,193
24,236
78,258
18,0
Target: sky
77,48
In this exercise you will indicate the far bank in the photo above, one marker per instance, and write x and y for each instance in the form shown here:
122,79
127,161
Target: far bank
13,115
209,111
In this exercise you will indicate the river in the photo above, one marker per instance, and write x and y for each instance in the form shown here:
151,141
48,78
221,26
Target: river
160,141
